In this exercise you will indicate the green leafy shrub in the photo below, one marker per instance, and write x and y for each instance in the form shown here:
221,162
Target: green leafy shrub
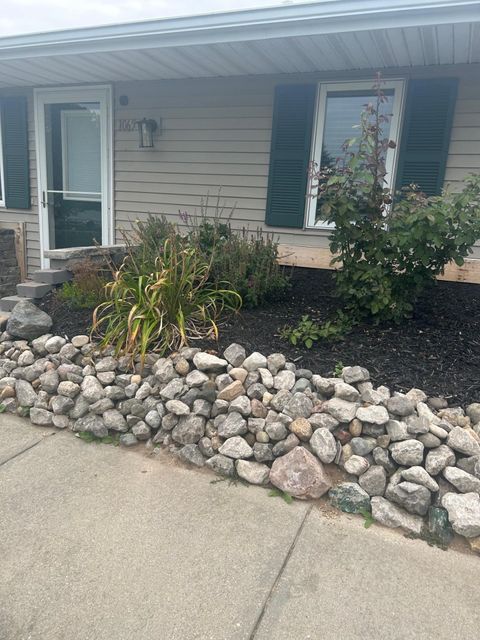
307,332
165,308
248,260
87,288
389,249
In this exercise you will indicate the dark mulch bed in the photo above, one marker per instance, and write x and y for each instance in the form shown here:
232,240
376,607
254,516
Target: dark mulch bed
438,350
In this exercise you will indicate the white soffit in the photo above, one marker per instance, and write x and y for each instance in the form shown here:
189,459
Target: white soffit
328,36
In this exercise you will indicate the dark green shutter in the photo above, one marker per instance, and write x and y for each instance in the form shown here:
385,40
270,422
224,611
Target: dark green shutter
15,152
290,154
423,152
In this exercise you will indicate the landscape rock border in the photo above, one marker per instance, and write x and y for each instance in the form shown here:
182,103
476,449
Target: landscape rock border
409,461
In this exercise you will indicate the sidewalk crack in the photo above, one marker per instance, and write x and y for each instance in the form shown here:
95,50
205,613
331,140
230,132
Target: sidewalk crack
19,453
279,575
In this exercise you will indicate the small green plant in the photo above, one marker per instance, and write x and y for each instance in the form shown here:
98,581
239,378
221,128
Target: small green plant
307,332
24,412
339,366
86,289
368,518
278,493
87,436
163,309
3,408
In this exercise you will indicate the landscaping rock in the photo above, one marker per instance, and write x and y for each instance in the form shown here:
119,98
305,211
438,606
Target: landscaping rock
323,445
128,440
236,448
363,446
91,389
300,474
439,528
394,517
413,497
209,363
341,410
439,458
349,497
221,465
189,429
400,405
374,415
253,472
27,321
234,354
41,417
284,380
374,480
191,454
263,452
408,452
93,424
352,375
460,440
463,513
418,475
231,391
302,428
233,425
461,480
26,395
356,465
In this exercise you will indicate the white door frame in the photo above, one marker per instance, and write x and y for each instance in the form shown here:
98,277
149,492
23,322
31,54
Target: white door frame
57,95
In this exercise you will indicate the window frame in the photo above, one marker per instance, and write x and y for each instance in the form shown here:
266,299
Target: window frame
2,173
323,89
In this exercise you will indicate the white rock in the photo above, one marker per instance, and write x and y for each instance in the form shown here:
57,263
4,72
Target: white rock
254,362
324,445
253,472
460,440
461,480
207,362
374,415
463,513
356,465
236,447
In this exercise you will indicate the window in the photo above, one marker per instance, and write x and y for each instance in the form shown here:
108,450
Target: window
81,154
338,110
2,178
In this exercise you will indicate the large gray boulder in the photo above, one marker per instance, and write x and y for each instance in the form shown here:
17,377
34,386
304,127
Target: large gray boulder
28,321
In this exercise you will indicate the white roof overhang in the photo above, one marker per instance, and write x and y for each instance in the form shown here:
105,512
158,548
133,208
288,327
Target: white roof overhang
318,36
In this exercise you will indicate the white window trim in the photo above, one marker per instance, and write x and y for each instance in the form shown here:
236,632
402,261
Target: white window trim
323,89
2,174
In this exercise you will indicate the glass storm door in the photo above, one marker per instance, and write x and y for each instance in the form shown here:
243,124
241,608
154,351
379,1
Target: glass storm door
74,170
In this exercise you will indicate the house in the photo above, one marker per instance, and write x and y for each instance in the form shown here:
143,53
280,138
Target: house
241,101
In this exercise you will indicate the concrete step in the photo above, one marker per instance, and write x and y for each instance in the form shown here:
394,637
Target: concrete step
52,276
4,316
8,302
31,289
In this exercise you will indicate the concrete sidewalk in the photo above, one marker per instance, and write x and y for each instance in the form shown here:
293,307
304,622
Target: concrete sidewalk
102,544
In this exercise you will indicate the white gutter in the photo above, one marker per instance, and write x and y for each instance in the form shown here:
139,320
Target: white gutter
316,18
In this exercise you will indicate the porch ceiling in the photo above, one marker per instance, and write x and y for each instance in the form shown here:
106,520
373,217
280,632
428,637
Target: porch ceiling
327,36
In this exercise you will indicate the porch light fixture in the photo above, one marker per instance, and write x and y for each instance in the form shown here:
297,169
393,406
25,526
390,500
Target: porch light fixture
146,128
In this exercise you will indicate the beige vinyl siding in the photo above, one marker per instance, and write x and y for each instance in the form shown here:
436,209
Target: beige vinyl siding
216,135
27,216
